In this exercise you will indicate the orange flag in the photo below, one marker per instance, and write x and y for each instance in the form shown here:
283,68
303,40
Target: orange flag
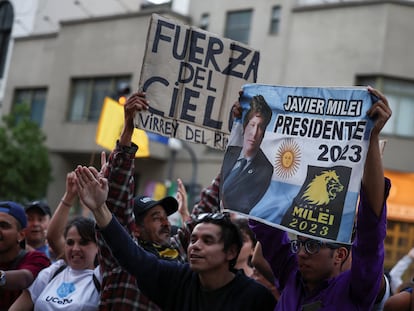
110,126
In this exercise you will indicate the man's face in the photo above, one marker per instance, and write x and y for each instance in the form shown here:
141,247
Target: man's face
10,234
206,249
253,135
35,231
316,267
155,228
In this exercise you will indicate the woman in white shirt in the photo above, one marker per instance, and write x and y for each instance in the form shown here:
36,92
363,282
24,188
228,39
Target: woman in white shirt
72,283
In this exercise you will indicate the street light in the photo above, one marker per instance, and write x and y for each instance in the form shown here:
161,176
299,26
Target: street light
176,145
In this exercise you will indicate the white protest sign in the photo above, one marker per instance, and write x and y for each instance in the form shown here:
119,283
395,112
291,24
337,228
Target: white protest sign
192,79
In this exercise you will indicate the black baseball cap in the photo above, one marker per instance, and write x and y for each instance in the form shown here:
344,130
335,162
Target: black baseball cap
41,206
143,203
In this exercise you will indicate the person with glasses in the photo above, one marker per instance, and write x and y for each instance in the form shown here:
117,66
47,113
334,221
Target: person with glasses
207,282
18,267
310,271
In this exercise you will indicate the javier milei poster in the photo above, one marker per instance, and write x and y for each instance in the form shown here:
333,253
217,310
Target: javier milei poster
308,162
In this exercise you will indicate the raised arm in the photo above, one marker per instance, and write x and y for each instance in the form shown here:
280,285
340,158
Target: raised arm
143,265
120,168
61,215
398,270
136,102
368,247
209,198
23,302
373,178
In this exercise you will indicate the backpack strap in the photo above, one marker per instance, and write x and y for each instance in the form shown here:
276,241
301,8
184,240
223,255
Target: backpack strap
58,270
97,283
95,279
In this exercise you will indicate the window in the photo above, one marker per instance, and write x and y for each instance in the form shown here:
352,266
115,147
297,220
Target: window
88,95
399,240
35,99
238,25
205,21
400,95
6,23
275,20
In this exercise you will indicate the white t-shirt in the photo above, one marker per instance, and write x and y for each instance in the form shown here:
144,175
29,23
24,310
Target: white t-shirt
69,290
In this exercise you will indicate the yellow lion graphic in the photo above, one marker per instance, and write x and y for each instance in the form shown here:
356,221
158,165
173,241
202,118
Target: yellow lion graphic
323,188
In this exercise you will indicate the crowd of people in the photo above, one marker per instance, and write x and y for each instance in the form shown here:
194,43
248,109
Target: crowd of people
126,257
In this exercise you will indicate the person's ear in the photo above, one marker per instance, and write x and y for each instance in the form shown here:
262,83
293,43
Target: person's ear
342,254
137,232
21,235
232,252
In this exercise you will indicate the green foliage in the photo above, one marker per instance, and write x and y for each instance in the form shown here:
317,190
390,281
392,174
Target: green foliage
24,161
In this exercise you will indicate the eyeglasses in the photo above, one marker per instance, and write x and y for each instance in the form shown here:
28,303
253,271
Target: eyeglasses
311,246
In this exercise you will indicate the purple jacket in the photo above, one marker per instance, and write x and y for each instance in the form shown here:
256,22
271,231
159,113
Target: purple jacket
355,289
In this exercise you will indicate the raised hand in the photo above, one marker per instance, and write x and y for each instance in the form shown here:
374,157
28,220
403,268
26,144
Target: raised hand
71,188
103,173
92,189
135,102
182,201
380,110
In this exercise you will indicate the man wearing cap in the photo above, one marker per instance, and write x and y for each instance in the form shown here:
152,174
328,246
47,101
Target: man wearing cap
153,229
38,218
18,267
144,219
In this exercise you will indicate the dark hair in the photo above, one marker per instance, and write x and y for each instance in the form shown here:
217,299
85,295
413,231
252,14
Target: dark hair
85,227
230,233
258,105
243,225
